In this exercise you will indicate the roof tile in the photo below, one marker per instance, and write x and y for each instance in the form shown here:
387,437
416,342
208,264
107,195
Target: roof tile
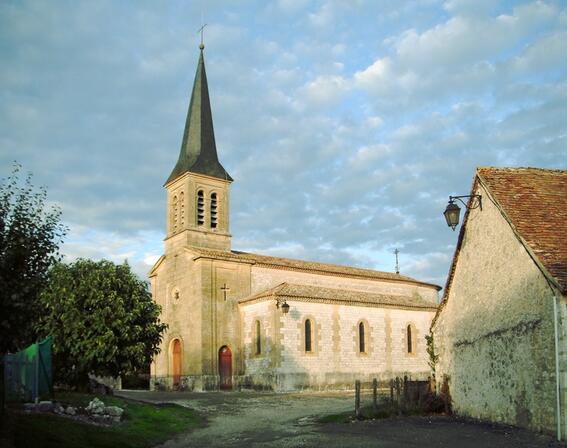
535,201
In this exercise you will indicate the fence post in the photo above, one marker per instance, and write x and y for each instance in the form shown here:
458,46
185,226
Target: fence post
357,398
398,393
2,387
391,391
375,395
406,396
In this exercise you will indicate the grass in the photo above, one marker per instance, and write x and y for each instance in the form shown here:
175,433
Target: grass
143,425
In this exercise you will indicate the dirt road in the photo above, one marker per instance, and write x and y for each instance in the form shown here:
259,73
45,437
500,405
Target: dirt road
290,420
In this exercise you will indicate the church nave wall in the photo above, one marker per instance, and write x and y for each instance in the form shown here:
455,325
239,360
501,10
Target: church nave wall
335,360
266,278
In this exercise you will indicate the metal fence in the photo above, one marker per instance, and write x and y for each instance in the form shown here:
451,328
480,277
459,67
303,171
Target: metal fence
403,392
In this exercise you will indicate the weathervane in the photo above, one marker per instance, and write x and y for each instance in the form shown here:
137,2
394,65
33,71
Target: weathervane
202,31
397,263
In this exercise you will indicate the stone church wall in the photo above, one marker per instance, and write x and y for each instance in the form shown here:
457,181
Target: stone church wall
494,336
266,278
335,361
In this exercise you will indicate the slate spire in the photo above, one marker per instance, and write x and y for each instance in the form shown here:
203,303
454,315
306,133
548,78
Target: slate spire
198,152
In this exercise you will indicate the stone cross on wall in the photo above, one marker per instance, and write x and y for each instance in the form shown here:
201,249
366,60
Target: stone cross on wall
224,289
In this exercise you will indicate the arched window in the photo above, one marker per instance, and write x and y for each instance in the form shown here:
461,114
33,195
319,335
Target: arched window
361,338
174,213
409,339
214,219
200,208
258,338
181,210
308,346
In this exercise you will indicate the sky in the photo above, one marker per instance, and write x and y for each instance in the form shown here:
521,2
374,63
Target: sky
346,124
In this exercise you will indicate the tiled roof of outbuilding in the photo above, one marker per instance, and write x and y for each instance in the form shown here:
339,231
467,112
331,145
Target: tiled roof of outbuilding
310,266
313,293
535,202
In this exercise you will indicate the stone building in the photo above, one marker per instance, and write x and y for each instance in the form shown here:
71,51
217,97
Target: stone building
239,319
499,331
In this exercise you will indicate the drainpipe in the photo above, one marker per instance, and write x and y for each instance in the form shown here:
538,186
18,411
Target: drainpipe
557,388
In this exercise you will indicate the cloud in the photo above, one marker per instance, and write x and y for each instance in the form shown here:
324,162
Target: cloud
324,90
346,125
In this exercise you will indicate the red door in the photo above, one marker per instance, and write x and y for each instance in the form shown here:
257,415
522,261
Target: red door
225,368
176,362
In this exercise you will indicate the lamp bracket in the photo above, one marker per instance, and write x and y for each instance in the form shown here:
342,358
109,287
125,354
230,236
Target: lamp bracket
475,203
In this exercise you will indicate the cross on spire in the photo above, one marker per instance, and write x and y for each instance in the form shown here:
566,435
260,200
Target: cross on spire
202,31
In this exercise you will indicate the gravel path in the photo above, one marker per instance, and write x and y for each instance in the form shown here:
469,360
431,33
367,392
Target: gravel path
289,420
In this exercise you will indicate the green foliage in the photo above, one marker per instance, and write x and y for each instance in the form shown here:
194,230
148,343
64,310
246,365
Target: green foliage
102,319
144,425
433,358
30,235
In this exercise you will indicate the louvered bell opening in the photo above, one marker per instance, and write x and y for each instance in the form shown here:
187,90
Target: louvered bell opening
214,214
174,217
200,208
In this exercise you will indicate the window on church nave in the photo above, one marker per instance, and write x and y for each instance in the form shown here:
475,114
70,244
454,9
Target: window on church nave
258,338
200,208
361,338
308,342
213,211
409,339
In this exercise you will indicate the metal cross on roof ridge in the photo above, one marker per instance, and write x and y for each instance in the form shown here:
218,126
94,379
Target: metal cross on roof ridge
397,263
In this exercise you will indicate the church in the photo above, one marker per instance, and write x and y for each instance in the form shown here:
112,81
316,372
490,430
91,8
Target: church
243,320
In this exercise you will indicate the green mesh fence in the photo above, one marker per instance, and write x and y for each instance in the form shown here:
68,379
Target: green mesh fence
28,373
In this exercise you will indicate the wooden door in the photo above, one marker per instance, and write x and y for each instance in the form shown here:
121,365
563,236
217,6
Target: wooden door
176,355
225,368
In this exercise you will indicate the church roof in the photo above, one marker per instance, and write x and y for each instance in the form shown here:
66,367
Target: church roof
198,153
313,293
308,266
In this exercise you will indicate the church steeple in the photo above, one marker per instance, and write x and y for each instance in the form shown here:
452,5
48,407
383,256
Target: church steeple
198,152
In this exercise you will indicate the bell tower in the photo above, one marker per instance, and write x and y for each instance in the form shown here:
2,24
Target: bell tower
198,187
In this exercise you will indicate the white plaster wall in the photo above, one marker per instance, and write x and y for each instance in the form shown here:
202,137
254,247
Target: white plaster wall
335,361
494,337
258,363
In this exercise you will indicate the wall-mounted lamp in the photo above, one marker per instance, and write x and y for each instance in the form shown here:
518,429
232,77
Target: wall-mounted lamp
453,211
283,305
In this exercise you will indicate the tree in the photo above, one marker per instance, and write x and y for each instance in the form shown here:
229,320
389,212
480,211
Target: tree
102,320
30,235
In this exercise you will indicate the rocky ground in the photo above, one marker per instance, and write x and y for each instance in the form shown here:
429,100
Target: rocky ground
291,420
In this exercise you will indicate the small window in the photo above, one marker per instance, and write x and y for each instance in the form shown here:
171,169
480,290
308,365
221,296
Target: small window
409,339
181,210
214,217
258,338
174,213
200,208
308,347
361,340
